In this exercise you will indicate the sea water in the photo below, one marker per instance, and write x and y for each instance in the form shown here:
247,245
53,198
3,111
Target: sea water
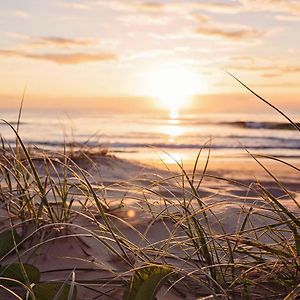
157,136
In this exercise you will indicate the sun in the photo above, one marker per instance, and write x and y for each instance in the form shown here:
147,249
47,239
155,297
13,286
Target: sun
172,87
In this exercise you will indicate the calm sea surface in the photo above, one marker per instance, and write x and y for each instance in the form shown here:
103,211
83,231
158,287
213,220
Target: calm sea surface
149,136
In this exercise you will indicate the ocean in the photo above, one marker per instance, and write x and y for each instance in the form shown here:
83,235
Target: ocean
153,136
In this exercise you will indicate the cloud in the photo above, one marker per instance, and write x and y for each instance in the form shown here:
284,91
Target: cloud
231,33
248,63
215,7
266,66
270,75
181,35
291,69
124,5
116,5
77,5
144,19
288,18
20,14
52,41
72,58
190,9
219,31
62,58
16,35
29,45
253,68
148,6
156,53
138,12
61,41
201,18
171,6
276,84
7,53
283,6
289,6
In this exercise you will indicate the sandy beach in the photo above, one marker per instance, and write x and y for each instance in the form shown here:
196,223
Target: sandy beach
144,207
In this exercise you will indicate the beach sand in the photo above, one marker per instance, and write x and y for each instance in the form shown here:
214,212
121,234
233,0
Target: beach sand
139,199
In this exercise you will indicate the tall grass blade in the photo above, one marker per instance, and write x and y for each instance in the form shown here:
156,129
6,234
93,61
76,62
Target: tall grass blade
265,101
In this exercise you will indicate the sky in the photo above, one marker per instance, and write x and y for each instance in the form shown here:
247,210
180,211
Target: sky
126,54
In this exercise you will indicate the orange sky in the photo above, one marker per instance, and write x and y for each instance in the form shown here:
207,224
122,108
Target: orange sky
94,52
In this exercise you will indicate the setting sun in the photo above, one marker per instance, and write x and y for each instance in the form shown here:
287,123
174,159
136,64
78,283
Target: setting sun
172,87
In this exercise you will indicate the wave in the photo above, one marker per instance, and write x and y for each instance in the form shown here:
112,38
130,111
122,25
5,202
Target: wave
204,122
212,122
13,123
264,125
198,146
247,124
280,144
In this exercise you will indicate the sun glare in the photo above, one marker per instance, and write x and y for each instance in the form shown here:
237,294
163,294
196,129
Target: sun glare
172,88
173,158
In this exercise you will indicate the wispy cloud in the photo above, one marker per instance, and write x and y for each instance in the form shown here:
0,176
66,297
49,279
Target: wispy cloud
61,41
62,58
16,35
208,27
204,25
288,6
234,33
156,53
291,69
147,6
75,5
270,75
138,12
288,18
230,7
277,84
181,35
282,6
210,6
264,66
53,41
243,35
144,19
171,6
38,48
20,14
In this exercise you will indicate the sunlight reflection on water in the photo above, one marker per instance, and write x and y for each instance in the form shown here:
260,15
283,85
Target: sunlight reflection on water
173,129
